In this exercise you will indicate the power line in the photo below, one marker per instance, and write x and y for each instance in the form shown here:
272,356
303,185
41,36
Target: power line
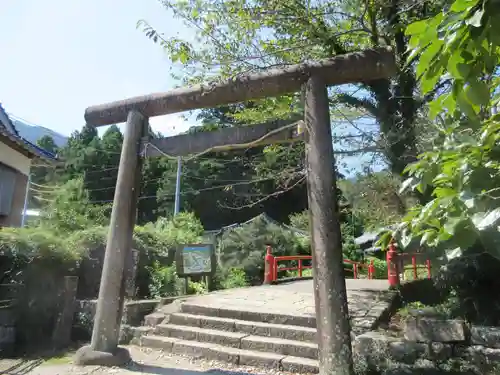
234,183
186,192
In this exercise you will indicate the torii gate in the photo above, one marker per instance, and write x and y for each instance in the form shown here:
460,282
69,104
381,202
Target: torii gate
335,352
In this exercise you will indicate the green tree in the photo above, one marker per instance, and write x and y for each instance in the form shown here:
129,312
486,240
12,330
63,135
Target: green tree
42,174
69,209
375,198
239,37
462,172
48,144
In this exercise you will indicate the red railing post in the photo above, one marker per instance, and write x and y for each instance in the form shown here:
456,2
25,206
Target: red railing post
392,268
269,266
371,270
275,269
355,270
414,266
300,267
429,273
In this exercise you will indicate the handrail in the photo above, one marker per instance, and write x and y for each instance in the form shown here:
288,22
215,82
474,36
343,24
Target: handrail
272,268
394,265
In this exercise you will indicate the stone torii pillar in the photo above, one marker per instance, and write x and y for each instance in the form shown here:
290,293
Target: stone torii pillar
104,349
335,353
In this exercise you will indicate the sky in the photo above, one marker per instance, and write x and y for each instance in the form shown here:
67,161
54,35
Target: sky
59,57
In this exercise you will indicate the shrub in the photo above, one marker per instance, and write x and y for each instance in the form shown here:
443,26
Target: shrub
244,247
164,281
197,287
38,260
380,266
468,282
234,278
349,229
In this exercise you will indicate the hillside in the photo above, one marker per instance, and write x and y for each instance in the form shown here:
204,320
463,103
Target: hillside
34,133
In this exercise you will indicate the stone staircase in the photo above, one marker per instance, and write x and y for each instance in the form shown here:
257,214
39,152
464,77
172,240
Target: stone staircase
278,341
271,326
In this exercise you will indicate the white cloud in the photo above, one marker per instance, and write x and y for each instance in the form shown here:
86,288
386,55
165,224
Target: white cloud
170,125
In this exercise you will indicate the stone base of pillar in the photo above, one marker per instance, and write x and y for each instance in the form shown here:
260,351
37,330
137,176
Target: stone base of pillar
86,356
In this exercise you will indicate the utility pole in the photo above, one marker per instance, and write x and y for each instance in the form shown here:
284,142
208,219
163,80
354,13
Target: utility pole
26,196
335,351
178,186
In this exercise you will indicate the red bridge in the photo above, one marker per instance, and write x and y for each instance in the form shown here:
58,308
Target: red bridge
397,266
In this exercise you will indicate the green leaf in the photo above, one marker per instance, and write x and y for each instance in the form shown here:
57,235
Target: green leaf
468,198
462,5
466,106
430,78
418,27
479,93
455,66
452,223
428,55
444,192
485,220
408,184
453,253
475,20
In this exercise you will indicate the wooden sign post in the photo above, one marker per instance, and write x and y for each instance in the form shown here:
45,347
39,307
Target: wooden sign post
335,353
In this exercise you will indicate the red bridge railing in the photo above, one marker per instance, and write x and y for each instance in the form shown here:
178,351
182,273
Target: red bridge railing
272,267
397,266
399,263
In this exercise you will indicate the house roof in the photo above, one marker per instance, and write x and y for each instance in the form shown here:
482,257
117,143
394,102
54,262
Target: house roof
9,131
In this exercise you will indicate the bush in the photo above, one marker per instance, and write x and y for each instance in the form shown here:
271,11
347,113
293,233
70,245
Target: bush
468,282
37,260
380,266
164,281
197,287
235,278
349,229
244,247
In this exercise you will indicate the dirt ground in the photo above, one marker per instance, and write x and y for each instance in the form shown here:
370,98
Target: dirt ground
144,361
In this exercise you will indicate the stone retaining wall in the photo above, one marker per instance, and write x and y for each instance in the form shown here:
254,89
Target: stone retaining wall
428,345
7,330
134,313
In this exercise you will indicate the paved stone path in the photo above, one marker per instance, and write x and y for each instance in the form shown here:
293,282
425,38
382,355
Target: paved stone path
150,361
367,300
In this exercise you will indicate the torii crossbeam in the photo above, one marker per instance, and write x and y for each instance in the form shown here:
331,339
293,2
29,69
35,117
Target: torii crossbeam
335,353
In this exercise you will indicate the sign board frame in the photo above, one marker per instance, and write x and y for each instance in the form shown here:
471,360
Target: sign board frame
180,256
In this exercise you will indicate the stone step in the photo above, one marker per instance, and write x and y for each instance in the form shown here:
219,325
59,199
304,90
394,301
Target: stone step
225,338
241,357
240,340
282,331
248,315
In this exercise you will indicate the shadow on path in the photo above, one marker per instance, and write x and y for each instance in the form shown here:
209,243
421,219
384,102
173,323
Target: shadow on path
22,367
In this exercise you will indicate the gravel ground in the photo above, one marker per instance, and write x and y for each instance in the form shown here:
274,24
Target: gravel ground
149,361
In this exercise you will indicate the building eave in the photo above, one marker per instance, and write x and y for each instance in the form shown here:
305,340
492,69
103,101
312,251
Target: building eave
25,147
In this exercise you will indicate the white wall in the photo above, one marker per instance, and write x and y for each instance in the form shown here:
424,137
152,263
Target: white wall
14,159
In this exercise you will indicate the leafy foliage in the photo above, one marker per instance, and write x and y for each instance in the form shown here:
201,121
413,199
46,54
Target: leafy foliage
245,246
349,229
164,281
235,278
242,37
462,174
375,198
69,209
